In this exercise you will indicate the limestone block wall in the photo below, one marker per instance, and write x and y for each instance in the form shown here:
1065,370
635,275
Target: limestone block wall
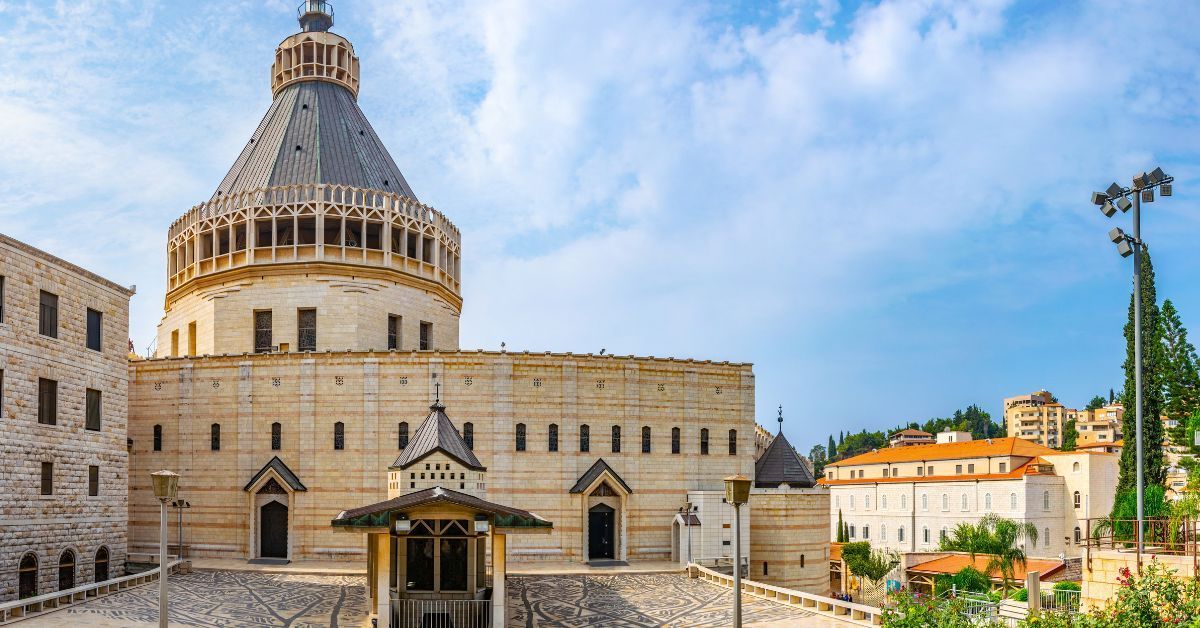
372,392
352,307
1101,569
70,518
789,544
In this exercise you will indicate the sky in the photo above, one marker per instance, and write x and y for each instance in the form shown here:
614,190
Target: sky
883,205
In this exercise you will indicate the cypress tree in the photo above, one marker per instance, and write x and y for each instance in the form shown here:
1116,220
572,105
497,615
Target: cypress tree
832,448
1152,389
1182,376
840,530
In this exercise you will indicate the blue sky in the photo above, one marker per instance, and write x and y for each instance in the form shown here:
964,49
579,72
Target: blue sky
883,205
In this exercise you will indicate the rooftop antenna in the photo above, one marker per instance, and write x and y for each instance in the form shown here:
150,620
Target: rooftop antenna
780,418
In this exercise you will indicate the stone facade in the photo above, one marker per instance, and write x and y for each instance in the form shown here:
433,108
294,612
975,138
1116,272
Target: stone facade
788,546
69,518
372,393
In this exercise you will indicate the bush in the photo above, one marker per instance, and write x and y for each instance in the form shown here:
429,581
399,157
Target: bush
1020,595
921,611
1067,585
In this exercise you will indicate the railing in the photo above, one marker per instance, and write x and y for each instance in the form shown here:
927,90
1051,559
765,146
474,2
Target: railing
819,604
409,613
723,564
28,607
1177,537
1061,600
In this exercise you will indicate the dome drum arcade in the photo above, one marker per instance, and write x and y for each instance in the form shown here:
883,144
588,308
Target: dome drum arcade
314,194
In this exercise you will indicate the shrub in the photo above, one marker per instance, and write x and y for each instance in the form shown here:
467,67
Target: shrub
1020,595
1067,585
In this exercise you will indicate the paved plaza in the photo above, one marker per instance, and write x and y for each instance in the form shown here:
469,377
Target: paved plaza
232,599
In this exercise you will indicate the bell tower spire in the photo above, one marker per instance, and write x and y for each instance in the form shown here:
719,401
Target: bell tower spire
315,16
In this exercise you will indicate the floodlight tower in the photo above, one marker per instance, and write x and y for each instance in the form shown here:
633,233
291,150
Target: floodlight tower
1114,198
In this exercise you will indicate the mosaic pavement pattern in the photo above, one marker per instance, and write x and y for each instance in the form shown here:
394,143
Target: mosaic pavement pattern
230,599
634,600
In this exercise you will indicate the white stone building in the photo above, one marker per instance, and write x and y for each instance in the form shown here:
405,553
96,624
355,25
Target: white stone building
908,498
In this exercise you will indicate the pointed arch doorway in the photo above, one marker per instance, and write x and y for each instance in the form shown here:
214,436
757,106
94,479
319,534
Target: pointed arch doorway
273,530
602,532
272,495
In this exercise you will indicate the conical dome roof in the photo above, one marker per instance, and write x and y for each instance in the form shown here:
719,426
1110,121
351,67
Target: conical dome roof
314,132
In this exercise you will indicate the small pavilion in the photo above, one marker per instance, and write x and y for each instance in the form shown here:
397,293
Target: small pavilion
427,545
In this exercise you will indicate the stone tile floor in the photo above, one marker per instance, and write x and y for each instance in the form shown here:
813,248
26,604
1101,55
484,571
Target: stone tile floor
640,600
227,599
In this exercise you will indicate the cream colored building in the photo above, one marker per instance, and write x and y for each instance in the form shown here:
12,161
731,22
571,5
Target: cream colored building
312,319
63,384
1037,417
908,498
1099,426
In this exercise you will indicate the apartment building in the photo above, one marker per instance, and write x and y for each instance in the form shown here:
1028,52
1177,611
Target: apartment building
63,385
1037,417
909,498
1099,426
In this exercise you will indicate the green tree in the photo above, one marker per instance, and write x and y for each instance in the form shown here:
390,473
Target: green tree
1152,388
832,448
1096,403
1070,436
841,529
1182,372
817,456
1000,539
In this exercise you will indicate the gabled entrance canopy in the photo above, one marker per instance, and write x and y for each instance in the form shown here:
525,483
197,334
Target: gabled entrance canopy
599,471
378,515
280,470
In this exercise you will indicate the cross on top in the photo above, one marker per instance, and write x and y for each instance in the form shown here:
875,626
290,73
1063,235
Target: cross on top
437,392
780,418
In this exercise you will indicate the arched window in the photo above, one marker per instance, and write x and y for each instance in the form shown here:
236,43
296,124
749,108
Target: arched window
520,437
942,534
674,440
27,578
851,502
733,442
883,532
1047,537
469,434
883,502
945,502
1012,501
852,535
276,436
339,435
900,534
645,439
1078,535
616,439
216,437
924,501
101,571
1078,499
585,438
925,534
66,570
704,442
866,502
904,502
1075,467
157,438
1046,500
403,431
964,502
866,532
552,444
987,502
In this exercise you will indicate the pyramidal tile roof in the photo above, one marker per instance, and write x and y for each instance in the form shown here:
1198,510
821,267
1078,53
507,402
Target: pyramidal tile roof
780,464
437,433
949,451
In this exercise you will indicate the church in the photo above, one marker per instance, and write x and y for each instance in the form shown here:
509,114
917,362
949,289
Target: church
311,323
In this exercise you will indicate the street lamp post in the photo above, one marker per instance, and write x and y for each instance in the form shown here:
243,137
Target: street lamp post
165,484
737,492
1114,198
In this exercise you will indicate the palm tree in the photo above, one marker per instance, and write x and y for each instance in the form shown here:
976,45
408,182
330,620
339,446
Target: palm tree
996,537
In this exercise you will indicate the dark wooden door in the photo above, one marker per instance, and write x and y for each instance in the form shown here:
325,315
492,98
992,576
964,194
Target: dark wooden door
600,532
273,530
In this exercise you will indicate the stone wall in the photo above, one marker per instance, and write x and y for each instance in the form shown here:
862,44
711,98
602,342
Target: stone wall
1101,569
372,392
789,546
48,525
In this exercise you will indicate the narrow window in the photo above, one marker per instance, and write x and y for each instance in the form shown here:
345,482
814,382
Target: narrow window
704,441
616,439
469,435
1012,501
216,437
453,565
970,468
1078,535
945,502
552,445
47,401
95,329
1046,536
403,434
48,315
987,502
520,437
1,393
101,565
66,570
93,481
674,440
28,578
766,570
262,331
306,321
393,331
339,436
645,439
420,564
852,532
1,298
1003,467
157,438
192,338
47,478
1078,500
885,472
866,532
175,343
942,534
585,433
964,502
733,442
802,561
925,535
1046,500
276,436
93,410
904,502
426,336
883,532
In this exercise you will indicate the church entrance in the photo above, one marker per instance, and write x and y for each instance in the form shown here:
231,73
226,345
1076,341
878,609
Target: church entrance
601,526
273,530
